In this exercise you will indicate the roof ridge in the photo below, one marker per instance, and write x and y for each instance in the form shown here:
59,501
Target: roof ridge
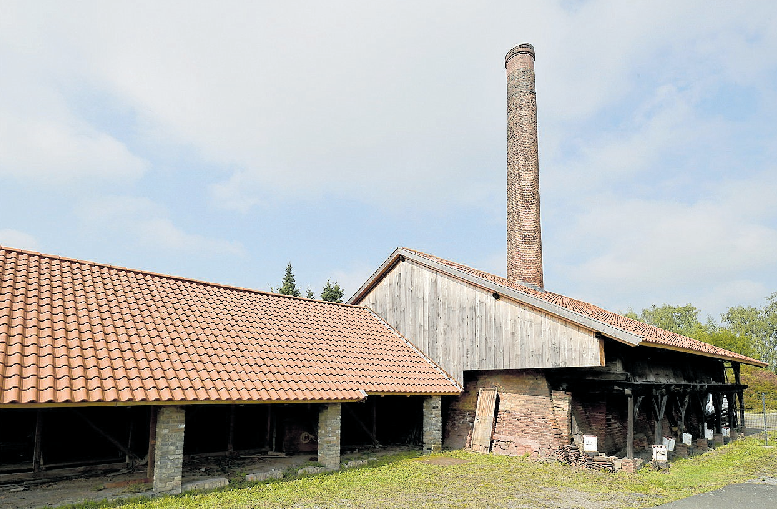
166,276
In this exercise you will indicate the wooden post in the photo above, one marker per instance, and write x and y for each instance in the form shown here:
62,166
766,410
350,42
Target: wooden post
130,458
375,419
659,405
717,402
702,400
269,428
151,442
741,394
731,399
682,406
231,438
630,425
37,455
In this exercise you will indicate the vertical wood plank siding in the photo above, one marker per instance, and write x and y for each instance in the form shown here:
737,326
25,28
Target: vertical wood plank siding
463,327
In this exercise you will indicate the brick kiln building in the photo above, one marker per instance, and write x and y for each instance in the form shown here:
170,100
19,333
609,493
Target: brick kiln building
100,364
539,369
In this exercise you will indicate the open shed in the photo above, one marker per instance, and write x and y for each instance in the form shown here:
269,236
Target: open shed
101,363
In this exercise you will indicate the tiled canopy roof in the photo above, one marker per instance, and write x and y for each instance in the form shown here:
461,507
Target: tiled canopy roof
610,322
79,332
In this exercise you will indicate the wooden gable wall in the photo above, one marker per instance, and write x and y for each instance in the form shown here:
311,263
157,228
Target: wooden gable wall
464,327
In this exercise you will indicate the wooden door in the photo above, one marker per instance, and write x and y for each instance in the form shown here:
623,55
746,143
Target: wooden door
484,420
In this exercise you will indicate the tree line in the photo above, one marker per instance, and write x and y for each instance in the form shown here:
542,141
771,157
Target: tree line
330,293
748,330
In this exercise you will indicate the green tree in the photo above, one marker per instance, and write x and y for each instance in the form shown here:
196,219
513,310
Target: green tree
680,319
288,286
332,293
310,294
759,325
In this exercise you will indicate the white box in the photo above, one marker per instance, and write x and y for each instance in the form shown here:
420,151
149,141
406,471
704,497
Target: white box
687,438
659,453
726,431
708,433
669,443
589,443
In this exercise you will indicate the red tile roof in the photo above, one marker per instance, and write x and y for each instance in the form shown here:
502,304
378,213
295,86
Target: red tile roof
73,331
646,334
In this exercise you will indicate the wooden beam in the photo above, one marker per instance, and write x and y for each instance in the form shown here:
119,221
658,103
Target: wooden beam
360,423
630,425
130,460
37,454
682,405
231,437
659,405
105,435
375,418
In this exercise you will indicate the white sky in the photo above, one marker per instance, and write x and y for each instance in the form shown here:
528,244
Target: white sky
221,140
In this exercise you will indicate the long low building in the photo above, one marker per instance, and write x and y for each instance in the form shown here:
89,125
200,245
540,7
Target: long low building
98,361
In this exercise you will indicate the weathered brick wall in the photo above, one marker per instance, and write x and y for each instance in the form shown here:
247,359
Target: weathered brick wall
329,428
531,418
604,416
432,424
168,454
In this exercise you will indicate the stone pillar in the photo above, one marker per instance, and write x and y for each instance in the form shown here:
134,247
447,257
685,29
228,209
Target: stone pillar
168,454
329,436
432,424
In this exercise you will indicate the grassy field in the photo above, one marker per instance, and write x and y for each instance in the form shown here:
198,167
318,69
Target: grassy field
460,479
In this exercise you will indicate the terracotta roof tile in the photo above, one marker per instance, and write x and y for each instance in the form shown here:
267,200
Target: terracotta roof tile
650,334
76,331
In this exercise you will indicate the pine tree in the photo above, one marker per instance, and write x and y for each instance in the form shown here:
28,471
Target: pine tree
288,287
332,293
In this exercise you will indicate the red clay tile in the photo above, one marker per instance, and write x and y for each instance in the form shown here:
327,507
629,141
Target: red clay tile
74,331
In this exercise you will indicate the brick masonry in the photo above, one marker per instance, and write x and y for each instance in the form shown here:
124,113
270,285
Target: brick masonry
432,424
329,429
168,452
530,418
524,239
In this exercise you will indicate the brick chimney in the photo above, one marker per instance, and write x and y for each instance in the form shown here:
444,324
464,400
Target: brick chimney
524,240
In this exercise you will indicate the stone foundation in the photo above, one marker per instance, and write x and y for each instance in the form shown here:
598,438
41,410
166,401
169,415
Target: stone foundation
329,428
168,451
432,424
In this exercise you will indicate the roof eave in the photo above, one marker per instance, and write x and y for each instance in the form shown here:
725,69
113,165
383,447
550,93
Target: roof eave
746,360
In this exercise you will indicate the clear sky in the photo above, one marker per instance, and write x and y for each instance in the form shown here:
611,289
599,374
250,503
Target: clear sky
221,140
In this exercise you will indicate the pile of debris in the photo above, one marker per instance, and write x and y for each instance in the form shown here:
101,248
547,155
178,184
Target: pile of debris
572,455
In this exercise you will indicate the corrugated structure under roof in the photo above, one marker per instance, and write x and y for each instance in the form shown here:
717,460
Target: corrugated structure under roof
77,332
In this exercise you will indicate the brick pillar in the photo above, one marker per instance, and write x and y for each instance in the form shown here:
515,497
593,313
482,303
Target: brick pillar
432,424
329,436
168,453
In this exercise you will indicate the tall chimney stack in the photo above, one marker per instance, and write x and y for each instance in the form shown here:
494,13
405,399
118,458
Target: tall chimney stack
524,240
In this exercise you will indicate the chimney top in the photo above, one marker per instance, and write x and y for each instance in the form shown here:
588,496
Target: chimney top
522,49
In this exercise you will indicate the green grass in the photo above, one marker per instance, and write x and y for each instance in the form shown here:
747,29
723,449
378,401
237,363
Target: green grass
406,480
